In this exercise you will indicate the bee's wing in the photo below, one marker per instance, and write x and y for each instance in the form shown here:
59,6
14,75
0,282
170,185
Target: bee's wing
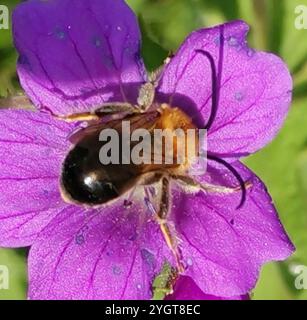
81,133
137,121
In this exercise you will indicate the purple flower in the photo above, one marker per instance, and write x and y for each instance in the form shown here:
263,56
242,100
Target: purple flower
186,289
76,55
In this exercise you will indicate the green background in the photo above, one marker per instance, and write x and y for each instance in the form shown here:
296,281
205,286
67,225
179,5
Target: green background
282,165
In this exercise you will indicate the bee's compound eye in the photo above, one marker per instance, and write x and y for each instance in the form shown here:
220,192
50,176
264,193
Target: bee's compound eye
84,180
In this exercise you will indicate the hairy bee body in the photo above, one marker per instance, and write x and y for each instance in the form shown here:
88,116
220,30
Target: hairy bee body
87,181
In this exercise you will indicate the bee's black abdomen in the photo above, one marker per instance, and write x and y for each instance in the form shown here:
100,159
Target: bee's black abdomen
84,179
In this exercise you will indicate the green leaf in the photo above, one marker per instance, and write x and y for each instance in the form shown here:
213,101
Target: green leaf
168,22
294,45
230,9
6,35
283,167
163,283
303,295
248,13
276,22
152,53
271,285
15,262
300,91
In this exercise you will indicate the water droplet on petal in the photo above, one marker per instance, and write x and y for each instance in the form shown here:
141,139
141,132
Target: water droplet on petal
80,239
97,42
239,96
189,262
60,34
129,50
109,253
119,28
217,40
233,42
116,270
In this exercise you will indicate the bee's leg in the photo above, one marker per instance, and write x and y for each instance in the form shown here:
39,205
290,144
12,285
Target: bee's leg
86,116
117,107
16,102
103,111
162,216
189,181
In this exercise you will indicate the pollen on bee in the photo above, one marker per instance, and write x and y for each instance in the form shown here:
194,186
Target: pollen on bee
181,136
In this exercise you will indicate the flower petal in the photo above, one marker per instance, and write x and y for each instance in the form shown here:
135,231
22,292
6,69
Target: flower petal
222,246
186,289
254,95
32,147
75,54
111,253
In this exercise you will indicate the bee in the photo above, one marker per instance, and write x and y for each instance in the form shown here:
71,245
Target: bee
85,180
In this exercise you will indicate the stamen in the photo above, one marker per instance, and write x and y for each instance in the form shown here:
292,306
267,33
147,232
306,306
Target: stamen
171,243
236,175
215,89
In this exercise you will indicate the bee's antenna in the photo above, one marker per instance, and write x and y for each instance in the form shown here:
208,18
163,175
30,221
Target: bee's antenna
236,175
215,88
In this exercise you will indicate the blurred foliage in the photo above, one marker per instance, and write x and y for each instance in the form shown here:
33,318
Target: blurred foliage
15,261
282,165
